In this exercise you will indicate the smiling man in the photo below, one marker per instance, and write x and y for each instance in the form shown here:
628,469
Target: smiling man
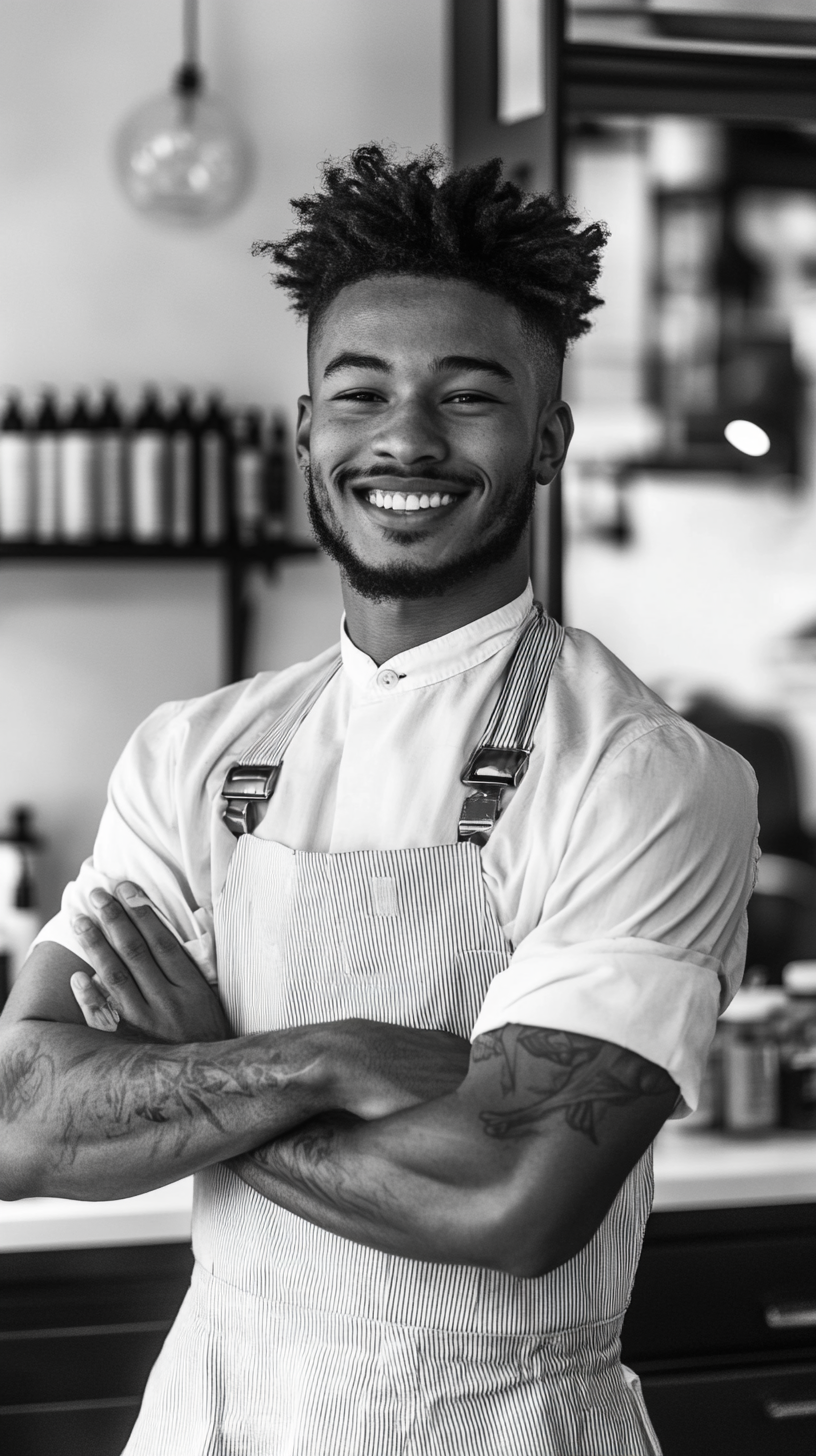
406,952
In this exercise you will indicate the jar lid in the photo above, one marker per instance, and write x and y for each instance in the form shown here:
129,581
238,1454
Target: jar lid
755,1004
800,978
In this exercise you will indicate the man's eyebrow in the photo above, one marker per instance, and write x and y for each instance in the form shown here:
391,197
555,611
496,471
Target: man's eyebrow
350,360
472,363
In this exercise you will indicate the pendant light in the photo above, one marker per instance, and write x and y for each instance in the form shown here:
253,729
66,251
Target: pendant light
184,158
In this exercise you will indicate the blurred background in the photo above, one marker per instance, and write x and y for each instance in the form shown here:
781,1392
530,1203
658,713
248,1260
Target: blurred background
154,545
92,292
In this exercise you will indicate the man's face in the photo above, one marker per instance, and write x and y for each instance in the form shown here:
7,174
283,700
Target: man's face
426,428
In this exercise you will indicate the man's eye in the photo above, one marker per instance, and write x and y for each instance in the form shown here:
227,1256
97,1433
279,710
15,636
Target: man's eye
467,396
357,396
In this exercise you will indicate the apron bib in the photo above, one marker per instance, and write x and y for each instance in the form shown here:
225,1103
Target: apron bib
295,1342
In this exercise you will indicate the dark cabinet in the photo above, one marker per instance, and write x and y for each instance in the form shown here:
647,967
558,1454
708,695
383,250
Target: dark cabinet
722,1330
79,1332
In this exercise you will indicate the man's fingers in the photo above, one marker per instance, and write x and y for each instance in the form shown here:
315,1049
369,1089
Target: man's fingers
117,982
93,1003
165,948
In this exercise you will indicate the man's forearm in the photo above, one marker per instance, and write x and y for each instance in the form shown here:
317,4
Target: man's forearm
87,1115
514,1170
416,1184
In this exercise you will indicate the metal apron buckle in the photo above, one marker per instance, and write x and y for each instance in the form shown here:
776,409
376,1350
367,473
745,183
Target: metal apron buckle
245,788
489,772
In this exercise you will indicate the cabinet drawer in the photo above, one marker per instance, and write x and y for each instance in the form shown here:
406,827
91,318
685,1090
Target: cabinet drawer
77,1365
708,1297
76,1428
767,1411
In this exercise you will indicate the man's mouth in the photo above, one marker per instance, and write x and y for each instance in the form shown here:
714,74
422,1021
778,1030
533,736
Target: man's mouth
405,501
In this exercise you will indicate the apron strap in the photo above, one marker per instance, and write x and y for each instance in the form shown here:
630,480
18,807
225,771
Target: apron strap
501,758
251,781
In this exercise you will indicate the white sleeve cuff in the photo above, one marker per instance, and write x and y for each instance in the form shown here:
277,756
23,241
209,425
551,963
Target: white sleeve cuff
656,1000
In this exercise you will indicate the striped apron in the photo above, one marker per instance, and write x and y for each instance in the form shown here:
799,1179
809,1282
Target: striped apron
295,1342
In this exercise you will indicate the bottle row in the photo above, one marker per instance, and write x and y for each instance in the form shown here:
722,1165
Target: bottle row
184,473
761,1071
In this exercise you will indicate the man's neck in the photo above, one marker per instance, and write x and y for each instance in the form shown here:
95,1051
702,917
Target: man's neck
383,629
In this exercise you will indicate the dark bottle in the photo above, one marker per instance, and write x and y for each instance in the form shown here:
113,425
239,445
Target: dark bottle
47,429
16,494
277,474
214,445
77,477
148,471
248,470
19,918
183,449
111,467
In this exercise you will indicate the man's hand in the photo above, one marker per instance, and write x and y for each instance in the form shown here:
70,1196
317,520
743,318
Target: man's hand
144,983
390,1068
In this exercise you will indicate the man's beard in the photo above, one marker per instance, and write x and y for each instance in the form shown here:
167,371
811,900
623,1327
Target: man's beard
503,529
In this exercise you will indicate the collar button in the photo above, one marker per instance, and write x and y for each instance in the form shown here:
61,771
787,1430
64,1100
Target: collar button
388,678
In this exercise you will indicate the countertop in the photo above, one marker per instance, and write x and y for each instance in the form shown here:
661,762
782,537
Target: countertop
692,1170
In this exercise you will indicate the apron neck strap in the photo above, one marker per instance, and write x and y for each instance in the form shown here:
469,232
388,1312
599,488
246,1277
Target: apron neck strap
251,781
500,759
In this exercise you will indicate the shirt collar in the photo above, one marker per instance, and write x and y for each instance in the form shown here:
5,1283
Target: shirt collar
442,657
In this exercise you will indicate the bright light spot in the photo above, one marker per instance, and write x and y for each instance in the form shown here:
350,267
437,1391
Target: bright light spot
747,437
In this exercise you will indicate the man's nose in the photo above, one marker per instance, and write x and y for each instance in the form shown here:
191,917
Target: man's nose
409,435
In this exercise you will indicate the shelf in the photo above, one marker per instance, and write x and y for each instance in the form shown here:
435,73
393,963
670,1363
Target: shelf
254,553
236,556
737,83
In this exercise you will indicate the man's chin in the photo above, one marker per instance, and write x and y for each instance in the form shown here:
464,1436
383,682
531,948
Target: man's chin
410,580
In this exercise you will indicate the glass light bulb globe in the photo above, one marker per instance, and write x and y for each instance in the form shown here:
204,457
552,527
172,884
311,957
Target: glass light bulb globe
184,159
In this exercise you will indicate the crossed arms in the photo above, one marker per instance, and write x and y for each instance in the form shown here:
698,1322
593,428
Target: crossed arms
506,1154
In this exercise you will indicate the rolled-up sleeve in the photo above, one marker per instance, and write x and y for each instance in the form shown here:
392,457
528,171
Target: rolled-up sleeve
642,934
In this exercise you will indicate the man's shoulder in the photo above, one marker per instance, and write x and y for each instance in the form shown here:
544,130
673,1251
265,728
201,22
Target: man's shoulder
607,712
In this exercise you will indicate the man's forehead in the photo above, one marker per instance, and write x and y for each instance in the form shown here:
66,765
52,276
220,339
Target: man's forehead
429,318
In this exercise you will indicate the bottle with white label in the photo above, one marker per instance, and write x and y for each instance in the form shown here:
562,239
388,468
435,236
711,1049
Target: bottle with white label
248,473
16,475
148,471
46,457
112,466
214,472
183,466
77,474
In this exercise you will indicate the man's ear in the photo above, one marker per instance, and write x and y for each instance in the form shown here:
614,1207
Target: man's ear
303,431
555,430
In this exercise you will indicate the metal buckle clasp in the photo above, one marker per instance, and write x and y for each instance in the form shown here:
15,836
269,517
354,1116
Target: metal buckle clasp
489,772
246,786
504,766
479,814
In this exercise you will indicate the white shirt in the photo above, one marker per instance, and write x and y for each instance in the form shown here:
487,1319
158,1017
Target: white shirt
619,870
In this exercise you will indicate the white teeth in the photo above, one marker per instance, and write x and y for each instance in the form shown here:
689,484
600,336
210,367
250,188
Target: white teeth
397,500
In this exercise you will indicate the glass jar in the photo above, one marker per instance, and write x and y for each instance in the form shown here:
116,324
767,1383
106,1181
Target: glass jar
798,1050
751,1060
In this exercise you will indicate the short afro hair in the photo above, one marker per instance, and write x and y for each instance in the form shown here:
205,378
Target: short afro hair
376,217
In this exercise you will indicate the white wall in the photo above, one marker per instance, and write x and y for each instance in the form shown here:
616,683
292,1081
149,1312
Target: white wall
90,292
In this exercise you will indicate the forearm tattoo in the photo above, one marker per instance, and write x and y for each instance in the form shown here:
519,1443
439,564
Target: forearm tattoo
307,1172
546,1072
102,1095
